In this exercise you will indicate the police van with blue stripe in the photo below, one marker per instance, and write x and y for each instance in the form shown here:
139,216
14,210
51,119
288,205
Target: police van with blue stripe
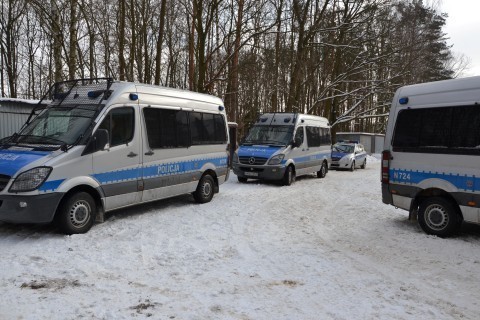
102,145
282,146
430,165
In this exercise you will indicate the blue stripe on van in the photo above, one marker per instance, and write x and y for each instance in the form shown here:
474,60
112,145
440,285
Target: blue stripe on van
50,186
153,171
158,170
312,157
461,182
118,176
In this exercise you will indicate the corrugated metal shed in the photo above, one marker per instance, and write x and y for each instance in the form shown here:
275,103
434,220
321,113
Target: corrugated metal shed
373,142
13,114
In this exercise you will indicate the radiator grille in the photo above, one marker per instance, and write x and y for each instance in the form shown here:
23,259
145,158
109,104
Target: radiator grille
253,160
3,181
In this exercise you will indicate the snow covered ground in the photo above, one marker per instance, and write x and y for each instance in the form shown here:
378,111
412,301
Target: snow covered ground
320,249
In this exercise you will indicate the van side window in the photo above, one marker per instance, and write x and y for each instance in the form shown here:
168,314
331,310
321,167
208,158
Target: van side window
167,128
299,134
313,136
207,128
450,130
325,138
120,123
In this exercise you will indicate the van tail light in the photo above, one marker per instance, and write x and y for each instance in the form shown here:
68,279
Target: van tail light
386,156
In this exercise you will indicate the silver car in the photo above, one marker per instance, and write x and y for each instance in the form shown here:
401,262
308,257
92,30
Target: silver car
349,156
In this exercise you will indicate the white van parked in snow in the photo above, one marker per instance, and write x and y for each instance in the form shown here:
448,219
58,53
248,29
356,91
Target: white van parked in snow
430,165
281,146
102,145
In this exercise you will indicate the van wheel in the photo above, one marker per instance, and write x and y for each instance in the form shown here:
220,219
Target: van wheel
205,189
439,217
242,179
364,165
289,176
76,213
323,171
352,168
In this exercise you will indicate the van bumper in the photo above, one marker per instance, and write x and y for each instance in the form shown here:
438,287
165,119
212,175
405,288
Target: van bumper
38,209
259,172
386,195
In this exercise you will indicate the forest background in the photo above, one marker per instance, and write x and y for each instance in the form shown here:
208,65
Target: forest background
341,59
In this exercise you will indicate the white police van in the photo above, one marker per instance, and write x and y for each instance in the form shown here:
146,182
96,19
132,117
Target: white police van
281,146
430,165
101,145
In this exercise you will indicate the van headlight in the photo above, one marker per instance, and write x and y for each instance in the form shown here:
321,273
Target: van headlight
276,159
30,180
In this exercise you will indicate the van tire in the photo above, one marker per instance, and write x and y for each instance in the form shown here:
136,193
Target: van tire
289,176
364,165
323,171
242,179
76,214
352,168
205,189
439,216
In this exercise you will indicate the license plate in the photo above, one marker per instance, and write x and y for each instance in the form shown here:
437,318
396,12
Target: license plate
251,174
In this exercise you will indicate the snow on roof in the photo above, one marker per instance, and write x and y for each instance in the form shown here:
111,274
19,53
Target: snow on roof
19,100
364,133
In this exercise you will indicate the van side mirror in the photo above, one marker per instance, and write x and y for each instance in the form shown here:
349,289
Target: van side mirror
297,142
98,141
101,139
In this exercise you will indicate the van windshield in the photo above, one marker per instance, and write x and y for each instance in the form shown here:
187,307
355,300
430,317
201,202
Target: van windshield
270,135
58,125
345,148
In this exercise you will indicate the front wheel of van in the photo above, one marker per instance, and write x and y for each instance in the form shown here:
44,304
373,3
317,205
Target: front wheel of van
205,189
76,213
289,176
439,216
323,171
352,168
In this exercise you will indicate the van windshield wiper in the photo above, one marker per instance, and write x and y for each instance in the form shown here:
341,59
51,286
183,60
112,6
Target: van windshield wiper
271,143
275,143
34,139
38,139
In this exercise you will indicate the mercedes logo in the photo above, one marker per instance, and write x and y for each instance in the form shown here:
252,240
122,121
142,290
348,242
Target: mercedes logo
251,160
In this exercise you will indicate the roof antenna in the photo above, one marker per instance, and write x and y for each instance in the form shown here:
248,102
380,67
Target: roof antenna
273,117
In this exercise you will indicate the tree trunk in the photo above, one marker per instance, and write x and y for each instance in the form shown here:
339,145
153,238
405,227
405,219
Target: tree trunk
158,57
231,97
133,27
57,42
121,41
191,50
72,54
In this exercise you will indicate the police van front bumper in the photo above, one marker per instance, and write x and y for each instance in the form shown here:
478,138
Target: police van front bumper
259,172
29,209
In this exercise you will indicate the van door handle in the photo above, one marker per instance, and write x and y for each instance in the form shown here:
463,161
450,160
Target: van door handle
132,154
149,153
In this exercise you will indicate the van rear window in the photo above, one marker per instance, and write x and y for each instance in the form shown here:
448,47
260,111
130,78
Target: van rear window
450,130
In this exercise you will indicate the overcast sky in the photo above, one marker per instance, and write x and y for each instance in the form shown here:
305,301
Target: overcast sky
463,28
